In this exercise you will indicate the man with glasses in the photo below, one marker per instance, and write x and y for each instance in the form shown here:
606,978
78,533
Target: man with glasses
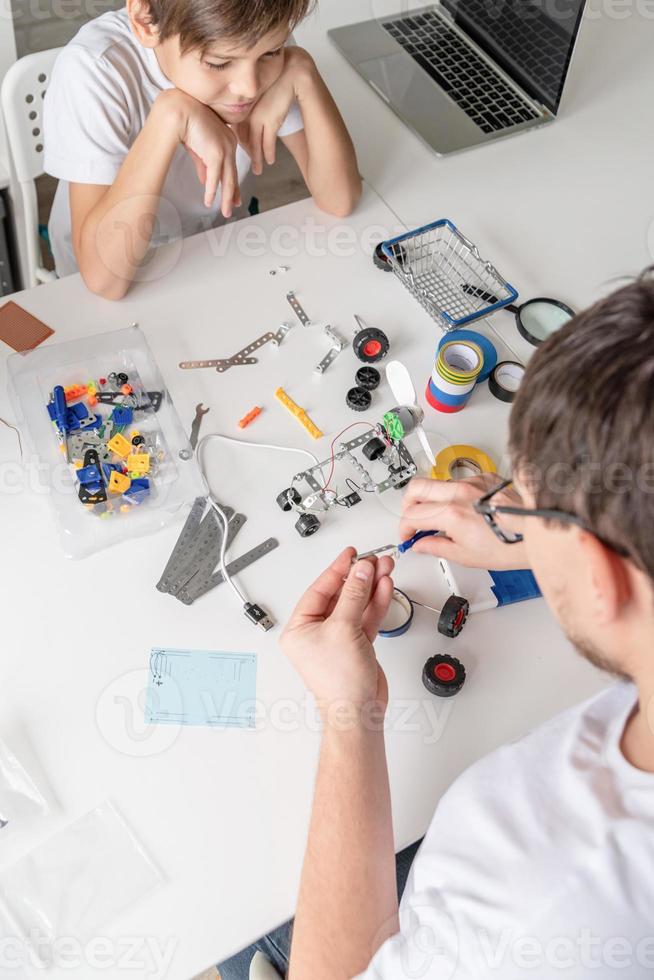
539,861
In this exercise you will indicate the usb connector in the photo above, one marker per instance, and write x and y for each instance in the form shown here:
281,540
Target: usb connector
258,616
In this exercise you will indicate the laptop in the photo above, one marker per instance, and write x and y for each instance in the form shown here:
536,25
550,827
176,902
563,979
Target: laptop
461,73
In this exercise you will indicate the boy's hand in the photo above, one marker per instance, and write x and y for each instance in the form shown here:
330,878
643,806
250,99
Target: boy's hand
211,144
258,133
329,636
447,505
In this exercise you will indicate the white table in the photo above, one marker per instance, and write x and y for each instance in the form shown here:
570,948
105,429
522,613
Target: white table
224,813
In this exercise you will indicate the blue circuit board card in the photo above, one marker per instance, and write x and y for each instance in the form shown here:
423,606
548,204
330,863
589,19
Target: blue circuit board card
201,687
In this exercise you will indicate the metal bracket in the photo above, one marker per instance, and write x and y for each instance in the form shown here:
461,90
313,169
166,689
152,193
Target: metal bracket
338,344
242,357
298,309
189,572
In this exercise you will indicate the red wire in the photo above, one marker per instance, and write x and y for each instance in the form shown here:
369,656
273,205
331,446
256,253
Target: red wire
333,461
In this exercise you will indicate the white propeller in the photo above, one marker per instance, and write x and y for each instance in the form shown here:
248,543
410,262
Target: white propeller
401,385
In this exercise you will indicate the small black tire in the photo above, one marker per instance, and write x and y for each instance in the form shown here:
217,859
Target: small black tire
443,676
358,399
453,616
368,377
283,499
371,345
381,260
374,449
307,525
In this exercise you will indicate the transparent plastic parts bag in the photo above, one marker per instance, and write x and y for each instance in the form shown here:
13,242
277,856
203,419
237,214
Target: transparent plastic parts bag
154,497
19,795
75,883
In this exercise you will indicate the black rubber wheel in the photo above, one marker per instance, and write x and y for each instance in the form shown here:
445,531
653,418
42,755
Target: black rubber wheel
382,262
453,616
443,676
283,500
371,345
374,449
358,399
307,525
368,377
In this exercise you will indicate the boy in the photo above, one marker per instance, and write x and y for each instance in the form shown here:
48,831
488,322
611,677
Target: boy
156,112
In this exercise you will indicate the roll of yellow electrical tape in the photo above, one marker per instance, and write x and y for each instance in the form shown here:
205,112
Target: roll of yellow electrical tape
468,456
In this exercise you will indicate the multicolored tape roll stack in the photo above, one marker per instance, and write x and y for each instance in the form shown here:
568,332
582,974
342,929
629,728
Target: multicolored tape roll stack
458,366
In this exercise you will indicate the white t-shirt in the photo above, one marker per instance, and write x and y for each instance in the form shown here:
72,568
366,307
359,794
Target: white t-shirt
539,862
102,88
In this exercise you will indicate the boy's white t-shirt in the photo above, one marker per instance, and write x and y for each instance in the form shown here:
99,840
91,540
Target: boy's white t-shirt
102,88
538,864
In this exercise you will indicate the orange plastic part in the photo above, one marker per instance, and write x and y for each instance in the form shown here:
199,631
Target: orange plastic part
250,417
74,392
127,389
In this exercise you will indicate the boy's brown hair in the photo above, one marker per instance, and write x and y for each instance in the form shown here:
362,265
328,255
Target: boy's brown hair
201,22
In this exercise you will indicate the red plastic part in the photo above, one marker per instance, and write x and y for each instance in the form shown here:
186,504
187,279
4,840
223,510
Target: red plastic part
444,672
372,348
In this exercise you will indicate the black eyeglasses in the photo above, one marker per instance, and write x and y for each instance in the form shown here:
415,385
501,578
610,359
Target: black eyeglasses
490,511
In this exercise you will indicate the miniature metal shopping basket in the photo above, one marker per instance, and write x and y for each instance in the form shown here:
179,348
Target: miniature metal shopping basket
447,275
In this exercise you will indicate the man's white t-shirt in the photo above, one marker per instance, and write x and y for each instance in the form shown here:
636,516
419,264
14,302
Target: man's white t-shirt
102,88
539,862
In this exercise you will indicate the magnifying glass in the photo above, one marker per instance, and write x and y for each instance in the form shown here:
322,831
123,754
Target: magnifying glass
537,319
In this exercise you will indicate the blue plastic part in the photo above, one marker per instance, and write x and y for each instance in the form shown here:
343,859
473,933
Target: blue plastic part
89,474
122,416
96,423
72,422
446,399
407,545
109,468
459,321
138,491
79,410
57,409
515,586
487,349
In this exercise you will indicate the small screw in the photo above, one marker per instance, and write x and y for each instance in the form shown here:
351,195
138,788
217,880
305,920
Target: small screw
185,454
283,268
273,272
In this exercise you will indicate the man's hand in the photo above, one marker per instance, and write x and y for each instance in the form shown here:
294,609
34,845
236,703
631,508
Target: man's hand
211,144
329,636
439,505
258,133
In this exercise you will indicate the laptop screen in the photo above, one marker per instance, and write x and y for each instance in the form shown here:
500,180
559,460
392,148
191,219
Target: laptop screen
532,40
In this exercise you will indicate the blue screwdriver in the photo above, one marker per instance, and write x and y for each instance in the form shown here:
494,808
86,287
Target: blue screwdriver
395,550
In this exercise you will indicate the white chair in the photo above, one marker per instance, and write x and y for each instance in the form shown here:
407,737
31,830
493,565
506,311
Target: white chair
23,90
262,969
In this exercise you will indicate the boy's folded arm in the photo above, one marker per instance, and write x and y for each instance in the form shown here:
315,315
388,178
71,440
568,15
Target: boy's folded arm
112,225
324,150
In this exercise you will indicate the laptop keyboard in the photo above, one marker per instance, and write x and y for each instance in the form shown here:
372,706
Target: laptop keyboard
481,92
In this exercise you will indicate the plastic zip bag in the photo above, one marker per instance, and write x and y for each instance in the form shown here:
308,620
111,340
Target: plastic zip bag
76,883
19,795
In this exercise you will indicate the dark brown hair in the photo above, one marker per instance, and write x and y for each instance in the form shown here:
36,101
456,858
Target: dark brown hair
582,425
201,22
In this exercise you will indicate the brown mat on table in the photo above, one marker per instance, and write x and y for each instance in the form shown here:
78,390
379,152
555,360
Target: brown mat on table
20,329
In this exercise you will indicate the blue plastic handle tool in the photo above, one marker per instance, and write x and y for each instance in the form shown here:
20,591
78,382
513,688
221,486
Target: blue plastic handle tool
407,545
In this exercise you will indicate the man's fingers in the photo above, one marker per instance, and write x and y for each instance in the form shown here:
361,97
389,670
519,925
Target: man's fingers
438,547
356,592
378,607
424,517
319,598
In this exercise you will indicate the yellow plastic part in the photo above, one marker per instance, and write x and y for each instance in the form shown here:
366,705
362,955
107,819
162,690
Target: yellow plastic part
120,446
299,414
138,463
468,456
119,482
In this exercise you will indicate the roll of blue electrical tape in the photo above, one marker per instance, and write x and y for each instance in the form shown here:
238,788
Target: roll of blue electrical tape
445,399
488,350
398,622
